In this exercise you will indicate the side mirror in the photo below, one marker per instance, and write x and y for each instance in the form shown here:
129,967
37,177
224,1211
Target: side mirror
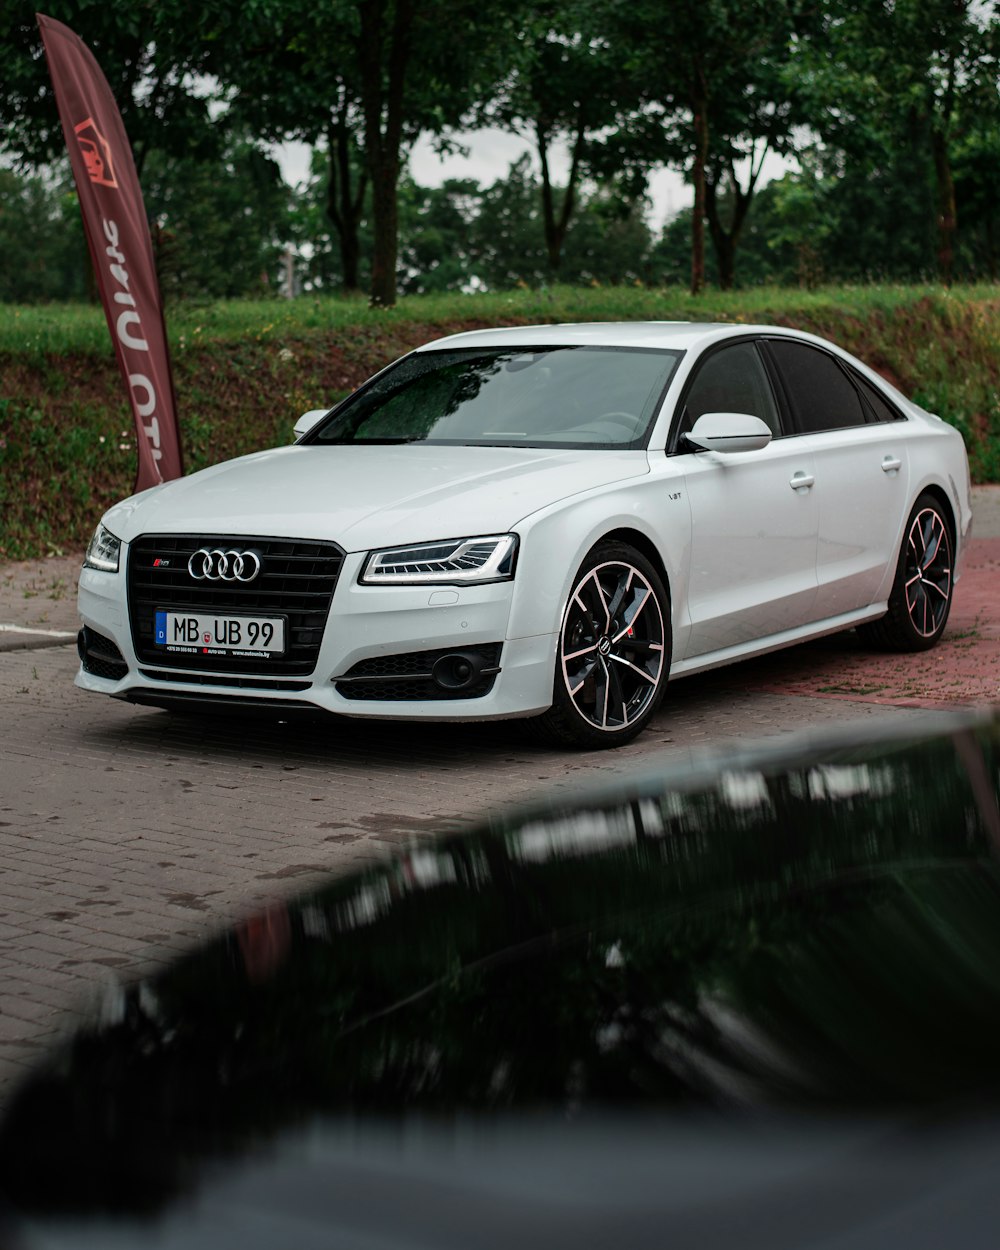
728,432
308,419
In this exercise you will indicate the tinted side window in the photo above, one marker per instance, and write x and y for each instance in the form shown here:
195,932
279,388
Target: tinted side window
730,380
879,406
819,392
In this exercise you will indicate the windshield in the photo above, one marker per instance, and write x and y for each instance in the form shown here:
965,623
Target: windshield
517,397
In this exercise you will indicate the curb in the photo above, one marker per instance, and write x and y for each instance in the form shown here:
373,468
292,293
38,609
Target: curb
18,638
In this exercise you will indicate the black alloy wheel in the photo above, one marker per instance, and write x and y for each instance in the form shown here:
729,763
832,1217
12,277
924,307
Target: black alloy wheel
613,657
921,594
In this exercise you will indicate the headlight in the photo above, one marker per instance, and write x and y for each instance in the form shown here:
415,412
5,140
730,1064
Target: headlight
103,551
462,560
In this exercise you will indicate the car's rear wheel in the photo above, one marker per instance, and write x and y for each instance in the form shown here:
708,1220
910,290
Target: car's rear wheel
921,594
613,657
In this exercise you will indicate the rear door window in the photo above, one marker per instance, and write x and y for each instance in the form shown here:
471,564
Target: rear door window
818,391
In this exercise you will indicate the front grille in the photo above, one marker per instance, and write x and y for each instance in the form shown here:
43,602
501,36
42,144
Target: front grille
296,581
99,656
407,676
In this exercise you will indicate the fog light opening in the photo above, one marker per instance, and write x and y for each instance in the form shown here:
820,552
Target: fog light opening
457,670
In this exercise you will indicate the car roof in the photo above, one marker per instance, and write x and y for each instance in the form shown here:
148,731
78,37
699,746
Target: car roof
678,335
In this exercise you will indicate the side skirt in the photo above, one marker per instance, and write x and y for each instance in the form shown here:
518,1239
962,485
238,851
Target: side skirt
775,642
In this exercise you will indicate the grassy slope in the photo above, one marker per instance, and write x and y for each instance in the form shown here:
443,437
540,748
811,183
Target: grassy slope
244,372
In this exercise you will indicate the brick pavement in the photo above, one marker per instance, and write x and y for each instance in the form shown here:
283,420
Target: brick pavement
127,834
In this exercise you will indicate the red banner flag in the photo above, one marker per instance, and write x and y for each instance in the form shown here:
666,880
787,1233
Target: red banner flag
114,221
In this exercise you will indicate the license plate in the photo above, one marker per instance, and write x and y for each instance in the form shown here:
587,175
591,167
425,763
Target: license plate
215,634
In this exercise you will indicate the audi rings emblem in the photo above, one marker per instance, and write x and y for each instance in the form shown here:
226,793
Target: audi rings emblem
215,565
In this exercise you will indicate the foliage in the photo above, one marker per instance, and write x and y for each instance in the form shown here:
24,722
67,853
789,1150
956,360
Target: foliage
217,230
151,52
43,254
367,77
894,89
291,73
889,109
715,94
977,194
568,82
438,246
462,237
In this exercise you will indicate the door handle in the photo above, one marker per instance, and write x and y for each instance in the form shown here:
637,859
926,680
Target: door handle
890,464
801,481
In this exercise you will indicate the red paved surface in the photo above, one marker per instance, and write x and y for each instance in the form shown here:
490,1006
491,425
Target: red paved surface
964,668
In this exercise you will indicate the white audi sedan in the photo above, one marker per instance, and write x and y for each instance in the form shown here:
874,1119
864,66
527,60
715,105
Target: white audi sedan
546,522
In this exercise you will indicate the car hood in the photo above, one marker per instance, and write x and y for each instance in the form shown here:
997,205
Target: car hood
363,497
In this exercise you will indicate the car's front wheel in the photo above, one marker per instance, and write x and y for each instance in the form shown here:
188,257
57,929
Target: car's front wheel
613,657
921,594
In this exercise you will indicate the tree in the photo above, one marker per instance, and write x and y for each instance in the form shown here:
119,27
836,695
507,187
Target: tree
218,228
290,72
495,232
905,76
367,78
423,64
744,127
43,255
322,260
977,194
569,83
437,233
714,95
385,58
151,52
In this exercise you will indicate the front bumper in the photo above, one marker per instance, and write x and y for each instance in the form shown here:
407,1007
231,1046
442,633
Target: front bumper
365,622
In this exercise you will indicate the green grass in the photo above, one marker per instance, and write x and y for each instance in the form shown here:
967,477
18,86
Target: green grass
245,370
32,330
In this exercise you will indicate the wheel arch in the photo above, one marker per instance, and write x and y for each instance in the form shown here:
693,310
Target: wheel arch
645,546
570,721
897,630
941,496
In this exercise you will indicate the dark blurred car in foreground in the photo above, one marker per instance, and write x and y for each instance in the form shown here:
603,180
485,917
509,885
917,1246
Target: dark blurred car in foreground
754,1002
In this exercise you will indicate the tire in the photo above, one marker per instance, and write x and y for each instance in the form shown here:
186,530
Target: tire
921,594
613,654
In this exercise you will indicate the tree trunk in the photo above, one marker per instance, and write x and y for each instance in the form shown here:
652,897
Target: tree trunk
557,226
725,240
385,224
342,206
699,108
947,220
725,257
383,110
